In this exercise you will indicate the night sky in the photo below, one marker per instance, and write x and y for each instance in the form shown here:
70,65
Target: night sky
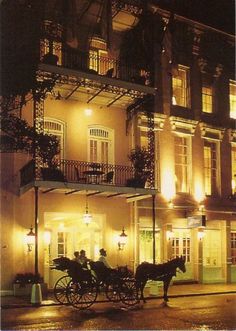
216,13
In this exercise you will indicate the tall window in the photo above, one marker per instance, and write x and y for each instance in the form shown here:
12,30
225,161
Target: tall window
233,247
182,163
146,245
61,244
56,47
180,87
233,167
181,245
210,167
232,98
56,128
207,99
98,56
101,142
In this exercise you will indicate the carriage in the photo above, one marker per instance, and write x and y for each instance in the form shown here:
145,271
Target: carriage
81,286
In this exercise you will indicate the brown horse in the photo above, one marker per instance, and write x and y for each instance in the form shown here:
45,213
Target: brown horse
162,272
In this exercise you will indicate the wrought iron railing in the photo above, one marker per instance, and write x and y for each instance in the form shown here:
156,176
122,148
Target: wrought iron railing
91,62
73,171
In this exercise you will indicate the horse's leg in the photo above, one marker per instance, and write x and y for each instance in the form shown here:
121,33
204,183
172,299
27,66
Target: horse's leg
166,283
142,285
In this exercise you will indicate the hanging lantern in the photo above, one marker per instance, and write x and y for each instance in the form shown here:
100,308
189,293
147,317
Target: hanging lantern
87,218
122,240
30,239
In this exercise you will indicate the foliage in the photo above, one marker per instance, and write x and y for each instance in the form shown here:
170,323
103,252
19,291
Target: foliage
27,278
19,136
141,161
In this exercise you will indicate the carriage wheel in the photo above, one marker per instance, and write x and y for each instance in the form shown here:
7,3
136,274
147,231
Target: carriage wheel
60,289
129,292
82,294
113,291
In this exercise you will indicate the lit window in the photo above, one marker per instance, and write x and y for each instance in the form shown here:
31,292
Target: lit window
98,57
180,87
56,46
232,98
233,167
101,145
182,164
146,245
233,247
181,245
61,244
210,167
207,99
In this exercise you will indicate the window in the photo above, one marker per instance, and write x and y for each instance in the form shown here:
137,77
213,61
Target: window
98,56
232,98
61,244
182,163
146,246
181,245
101,142
233,167
210,167
56,128
56,49
180,87
233,247
207,99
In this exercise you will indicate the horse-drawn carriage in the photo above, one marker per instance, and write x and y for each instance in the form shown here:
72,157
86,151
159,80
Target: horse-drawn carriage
81,286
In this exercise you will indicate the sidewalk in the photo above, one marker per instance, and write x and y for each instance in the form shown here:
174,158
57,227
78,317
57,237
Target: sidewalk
174,291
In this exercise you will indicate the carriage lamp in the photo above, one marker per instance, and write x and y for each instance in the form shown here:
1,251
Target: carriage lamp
122,240
30,239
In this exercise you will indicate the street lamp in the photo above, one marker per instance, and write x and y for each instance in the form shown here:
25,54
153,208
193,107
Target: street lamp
122,240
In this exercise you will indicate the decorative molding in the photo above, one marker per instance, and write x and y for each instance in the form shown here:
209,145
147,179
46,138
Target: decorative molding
232,136
218,70
196,41
202,63
212,133
159,120
184,126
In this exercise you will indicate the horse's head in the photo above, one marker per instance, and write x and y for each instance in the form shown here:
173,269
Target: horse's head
61,263
181,263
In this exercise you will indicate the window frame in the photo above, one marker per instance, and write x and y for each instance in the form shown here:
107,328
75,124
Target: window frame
207,99
186,166
232,99
233,247
184,89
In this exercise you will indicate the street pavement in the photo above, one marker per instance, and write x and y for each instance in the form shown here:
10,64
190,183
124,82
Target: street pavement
175,291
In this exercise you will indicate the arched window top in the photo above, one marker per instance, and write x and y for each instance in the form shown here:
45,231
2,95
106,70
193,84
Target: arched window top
53,125
100,132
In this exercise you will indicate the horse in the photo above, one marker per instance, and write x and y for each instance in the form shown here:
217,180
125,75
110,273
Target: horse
162,272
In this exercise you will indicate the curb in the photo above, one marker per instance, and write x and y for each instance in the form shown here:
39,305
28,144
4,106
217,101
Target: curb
28,305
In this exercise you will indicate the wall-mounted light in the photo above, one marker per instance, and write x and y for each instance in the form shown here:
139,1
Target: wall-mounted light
169,234
170,204
30,239
122,240
201,233
87,218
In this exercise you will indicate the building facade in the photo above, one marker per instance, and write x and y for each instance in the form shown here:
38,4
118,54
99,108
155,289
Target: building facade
107,98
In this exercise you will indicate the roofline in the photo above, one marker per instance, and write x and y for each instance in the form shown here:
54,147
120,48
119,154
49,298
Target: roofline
167,13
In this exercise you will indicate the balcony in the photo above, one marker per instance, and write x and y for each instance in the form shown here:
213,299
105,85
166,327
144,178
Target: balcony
110,81
80,177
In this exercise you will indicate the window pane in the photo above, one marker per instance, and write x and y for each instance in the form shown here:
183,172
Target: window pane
233,167
232,99
180,87
181,164
207,99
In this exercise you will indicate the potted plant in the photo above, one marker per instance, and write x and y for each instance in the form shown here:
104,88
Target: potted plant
141,161
22,283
